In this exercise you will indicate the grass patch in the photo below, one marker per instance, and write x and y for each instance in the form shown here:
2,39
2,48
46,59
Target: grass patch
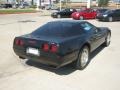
16,11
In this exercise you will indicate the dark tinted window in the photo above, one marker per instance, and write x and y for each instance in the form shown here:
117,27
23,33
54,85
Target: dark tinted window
102,10
66,10
117,11
109,11
59,29
89,27
86,26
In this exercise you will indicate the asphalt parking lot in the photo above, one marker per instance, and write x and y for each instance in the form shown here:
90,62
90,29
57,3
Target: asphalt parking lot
103,72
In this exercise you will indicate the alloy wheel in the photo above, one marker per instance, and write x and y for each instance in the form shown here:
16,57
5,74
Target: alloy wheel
110,19
84,57
108,39
58,16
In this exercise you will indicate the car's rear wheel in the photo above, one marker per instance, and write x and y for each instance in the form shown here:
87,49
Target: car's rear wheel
110,19
58,16
107,40
81,17
83,58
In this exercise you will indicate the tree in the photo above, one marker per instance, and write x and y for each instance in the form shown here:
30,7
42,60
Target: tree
18,1
103,3
66,2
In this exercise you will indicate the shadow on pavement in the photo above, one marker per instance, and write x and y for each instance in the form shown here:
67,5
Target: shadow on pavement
65,70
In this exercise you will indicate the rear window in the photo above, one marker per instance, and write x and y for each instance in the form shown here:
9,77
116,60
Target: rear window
59,29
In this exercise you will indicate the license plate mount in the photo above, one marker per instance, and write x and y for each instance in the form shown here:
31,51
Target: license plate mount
33,51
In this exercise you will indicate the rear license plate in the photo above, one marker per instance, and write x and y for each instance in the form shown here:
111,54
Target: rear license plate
33,51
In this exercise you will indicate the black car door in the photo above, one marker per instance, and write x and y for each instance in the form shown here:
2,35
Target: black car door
71,11
67,12
98,36
95,35
64,13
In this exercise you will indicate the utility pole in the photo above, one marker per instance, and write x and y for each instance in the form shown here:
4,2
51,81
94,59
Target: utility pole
97,1
118,4
60,5
7,1
38,5
89,3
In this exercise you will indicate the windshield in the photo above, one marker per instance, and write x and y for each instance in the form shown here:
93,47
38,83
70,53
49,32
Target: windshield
108,11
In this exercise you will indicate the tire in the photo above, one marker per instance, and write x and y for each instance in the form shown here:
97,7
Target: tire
83,58
58,16
95,17
81,18
110,19
107,40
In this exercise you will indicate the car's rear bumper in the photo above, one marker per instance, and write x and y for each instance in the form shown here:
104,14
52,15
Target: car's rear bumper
48,59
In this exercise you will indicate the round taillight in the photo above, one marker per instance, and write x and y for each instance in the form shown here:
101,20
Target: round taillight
53,48
19,42
45,47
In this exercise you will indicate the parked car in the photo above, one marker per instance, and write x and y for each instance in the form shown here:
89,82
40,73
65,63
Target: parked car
110,15
51,7
24,6
63,13
6,6
21,5
61,42
84,14
15,6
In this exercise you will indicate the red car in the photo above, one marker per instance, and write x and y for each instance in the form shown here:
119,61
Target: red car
84,14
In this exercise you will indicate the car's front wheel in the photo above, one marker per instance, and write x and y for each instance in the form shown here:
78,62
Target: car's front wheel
58,16
83,58
110,19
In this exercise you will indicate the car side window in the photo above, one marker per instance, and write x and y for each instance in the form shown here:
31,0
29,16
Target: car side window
67,10
86,26
91,11
87,11
89,27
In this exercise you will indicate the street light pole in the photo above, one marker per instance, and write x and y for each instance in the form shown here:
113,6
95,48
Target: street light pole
89,3
38,4
60,5
118,4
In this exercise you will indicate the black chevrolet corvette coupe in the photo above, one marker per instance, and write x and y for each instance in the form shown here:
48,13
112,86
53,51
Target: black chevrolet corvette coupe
58,43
